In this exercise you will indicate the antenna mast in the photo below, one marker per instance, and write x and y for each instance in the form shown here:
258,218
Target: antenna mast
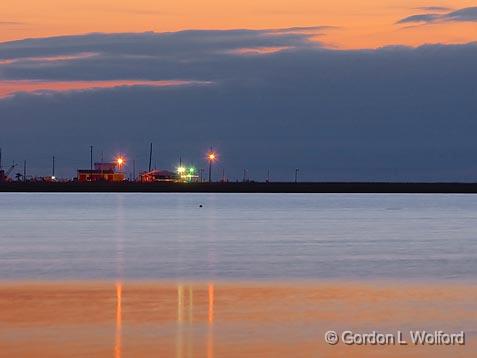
150,157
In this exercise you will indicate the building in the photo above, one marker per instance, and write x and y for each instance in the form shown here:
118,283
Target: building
101,172
187,175
159,175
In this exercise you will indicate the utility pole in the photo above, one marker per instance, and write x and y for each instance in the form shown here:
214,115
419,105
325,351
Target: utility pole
150,157
210,171
211,156
91,157
134,169
201,171
268,176
296,175
0,158
53,167
24,170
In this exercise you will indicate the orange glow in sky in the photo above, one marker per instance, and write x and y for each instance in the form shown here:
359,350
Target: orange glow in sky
8,88
358,24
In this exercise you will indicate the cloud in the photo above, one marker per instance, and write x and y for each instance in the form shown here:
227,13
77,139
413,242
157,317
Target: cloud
254,51
419,18
468,14
395,113
434,8
10,23
156,56
10,88
183,43
303,29
47,59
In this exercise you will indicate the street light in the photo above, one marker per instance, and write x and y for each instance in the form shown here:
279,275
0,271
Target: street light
212,157
120,161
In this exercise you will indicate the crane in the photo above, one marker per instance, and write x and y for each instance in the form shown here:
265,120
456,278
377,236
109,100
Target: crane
4,174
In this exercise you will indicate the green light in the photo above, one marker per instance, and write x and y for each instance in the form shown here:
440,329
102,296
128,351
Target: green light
191,170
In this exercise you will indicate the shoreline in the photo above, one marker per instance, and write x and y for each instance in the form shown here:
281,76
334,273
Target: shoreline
249,187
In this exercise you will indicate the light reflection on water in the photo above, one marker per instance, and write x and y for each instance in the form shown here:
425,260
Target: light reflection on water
119,320
185,306
131,319
336,242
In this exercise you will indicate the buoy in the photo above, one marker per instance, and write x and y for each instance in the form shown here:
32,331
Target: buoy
200,205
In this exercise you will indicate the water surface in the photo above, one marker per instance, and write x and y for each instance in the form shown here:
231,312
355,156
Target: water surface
238,236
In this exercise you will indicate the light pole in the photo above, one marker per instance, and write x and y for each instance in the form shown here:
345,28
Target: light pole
91,157
120,161
212,157
53,169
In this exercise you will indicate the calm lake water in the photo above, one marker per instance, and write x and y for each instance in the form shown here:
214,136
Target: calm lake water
238,236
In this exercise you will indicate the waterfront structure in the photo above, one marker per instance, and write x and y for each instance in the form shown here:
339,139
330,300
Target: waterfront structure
187,175
159,175
102,172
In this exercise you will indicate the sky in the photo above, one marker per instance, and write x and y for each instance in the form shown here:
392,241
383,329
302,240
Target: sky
343,90
357,24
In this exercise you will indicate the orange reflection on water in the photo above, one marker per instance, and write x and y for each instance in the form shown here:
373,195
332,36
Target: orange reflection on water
210,332
117,344
180,315
211,303
263,319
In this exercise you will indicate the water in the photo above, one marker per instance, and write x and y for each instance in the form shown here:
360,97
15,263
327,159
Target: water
238,236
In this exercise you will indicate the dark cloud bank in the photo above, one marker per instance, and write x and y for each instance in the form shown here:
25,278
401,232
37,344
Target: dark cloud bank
388,114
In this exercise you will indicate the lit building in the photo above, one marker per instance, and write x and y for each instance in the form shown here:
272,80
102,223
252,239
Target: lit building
187,175
159,175
101,172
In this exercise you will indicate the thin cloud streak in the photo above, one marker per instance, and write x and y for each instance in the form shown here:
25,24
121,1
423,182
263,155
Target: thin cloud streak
59,58
254,51
10,88
8,23
434,8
